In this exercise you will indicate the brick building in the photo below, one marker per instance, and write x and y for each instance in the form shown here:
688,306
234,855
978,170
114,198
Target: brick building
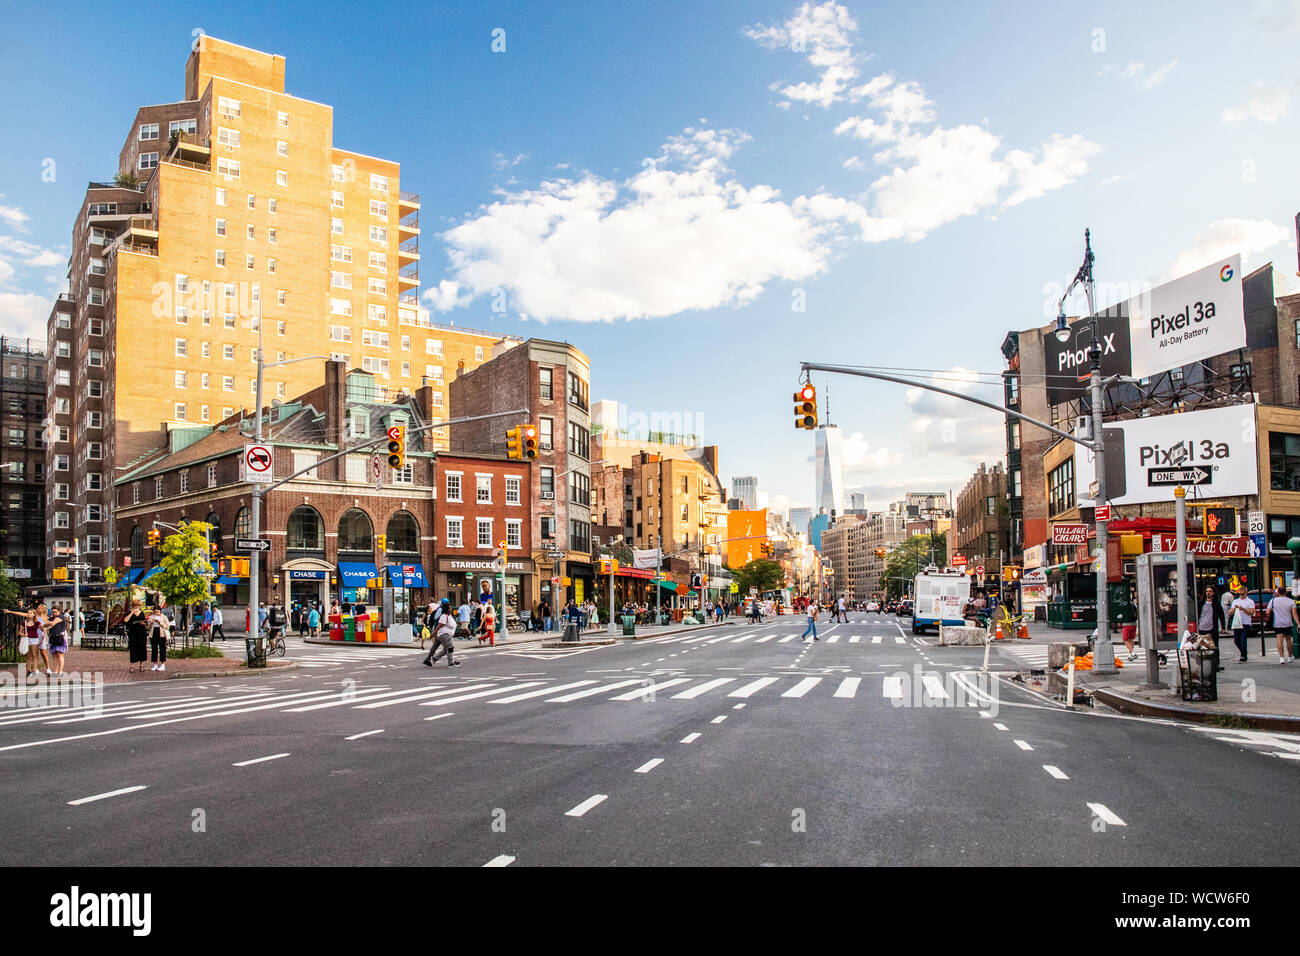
980,521
22,460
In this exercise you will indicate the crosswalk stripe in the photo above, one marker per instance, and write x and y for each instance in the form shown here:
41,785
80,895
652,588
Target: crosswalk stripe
899,640
894,687
59,715
718,640
480,693
742,639
786,640
876,639
695,640
422,695
848,687
801,688
855,638
652,688
832,639
934,687
752,688
277,698
693,692
529,695
764,640
345,701
579,694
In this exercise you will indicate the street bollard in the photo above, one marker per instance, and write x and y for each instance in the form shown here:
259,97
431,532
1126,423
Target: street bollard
1069,685
987,644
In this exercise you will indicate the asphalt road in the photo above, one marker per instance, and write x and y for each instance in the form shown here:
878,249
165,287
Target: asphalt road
733,745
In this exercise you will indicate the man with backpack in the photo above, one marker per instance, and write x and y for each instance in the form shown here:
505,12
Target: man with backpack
443,629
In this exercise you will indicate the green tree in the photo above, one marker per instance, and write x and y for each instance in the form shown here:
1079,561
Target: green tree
8,588
761,573
909,559
182,580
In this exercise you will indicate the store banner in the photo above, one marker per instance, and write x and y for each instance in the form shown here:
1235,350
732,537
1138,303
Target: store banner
645,558
1204,547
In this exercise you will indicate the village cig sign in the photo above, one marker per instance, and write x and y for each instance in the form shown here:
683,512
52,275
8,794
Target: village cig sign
1070,534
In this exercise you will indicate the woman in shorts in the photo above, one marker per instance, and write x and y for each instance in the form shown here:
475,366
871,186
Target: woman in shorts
57,637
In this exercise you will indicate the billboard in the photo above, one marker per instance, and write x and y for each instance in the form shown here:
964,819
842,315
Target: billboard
746,532
1194,317
1215,447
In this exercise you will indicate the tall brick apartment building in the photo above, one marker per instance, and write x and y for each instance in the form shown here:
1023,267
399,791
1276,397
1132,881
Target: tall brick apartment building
22,459
232,206
439,512
980,521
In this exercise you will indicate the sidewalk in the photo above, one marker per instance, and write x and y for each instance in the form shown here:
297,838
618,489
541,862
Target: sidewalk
517,638
111,668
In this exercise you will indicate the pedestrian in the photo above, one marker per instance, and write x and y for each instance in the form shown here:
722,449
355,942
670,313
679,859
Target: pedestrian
261,616
207,621
444,628
812,625
160,626
29,642
1242,610
217,619
546,616
313,622
137,633
57,636
1209,620
1282,608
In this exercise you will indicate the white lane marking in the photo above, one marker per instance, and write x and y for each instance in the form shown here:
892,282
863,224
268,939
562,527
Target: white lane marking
718,640
1101,810
934,687
104,796
988,714
848,687
750,689
693,692
338,701
248,763
899,626
482,693
1283,754
649,765
899,640
894,687
764,640
876,639
690,738
587,804
1022,745
696,640
529,695
786,640
368,733
170,711
855,638
439,716
832,639
740,706
719,719
999,726
1055,772
741,640
501,860
425,695
651,688
801,688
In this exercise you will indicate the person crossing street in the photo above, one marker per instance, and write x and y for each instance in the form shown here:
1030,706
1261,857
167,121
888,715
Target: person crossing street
442,637
812,624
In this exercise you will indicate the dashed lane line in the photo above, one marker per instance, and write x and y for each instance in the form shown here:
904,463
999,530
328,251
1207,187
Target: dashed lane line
104,796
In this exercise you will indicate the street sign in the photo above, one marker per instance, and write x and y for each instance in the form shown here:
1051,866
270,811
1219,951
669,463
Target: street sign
554,553
1196,475
555,580
1255,522
61,550
258,461
252,544
377,470
1103,513
1094,490
78,567
126,562
980,569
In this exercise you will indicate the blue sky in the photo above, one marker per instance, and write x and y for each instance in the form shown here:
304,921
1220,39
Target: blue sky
663,184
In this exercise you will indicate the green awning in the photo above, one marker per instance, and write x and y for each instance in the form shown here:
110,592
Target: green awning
668,585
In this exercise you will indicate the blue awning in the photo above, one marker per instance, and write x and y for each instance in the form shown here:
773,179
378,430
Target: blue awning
230,579
355,574
414,580
150,573
132,576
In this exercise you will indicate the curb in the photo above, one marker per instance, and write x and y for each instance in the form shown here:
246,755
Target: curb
1145,708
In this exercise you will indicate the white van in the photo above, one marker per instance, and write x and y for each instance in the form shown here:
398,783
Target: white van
940,598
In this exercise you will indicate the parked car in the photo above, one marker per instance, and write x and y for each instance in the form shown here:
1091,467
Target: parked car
904,608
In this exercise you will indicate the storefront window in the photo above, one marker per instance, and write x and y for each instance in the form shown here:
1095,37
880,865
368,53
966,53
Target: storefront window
306,531
356,533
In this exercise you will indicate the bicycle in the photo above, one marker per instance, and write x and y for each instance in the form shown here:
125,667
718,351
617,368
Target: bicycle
274,641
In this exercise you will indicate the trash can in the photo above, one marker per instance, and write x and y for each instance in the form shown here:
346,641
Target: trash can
254,652
349,629
571,630
629,625
1199,674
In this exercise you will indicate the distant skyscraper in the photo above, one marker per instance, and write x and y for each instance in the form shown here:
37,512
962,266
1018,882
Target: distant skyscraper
745,487
830,471
857,501
799,519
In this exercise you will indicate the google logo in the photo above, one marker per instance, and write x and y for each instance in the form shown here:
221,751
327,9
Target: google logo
1225,273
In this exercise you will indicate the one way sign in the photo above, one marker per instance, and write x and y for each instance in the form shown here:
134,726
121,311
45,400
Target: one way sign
1179,476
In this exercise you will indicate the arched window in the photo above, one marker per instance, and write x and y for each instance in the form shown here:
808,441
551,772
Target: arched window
244,524
403,533
356,533
214,535
306,532
137,547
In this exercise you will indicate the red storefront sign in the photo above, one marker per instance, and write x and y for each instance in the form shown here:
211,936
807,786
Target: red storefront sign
1070,534
623,572
1206,547
959,560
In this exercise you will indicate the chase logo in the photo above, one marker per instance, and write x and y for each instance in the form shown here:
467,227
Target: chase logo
1225,273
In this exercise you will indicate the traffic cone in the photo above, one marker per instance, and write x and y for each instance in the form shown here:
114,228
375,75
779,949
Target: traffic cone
1024,632
999,636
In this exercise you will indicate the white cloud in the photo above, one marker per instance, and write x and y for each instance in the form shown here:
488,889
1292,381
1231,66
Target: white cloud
678,236
856,454
1137,72
1226,237
13,215
23,315
824,32
947,426
501,161
1064,159
854,162
30,254
445,296
1265,102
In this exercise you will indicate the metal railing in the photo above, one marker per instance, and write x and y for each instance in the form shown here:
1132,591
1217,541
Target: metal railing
408,196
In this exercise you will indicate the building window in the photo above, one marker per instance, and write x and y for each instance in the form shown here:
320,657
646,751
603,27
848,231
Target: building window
580,535
478,353
484,532
157,488
580,488
544,383
244,523
544,437
1284,461
305,531
454,538
182,348
514,535
379,182
227,167
336,226
577,392
185,482
483,489
281,148
379,234
579,441
356,533
405,475
512,491
181,378
379,208
148,161
453,486
283,119
148,131
229,108
548,483
188,126
379,262
1060,488
228,137
221,196
990,505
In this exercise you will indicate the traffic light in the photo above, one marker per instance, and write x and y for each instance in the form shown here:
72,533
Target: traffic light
397,447
530,442
1011,573
880,552
608,566
381,541
214,549
155,537
805,408
514,442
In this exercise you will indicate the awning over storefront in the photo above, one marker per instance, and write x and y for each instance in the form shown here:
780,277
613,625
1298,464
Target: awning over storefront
150,573
668,585
399,575
230,579
132,576
355,574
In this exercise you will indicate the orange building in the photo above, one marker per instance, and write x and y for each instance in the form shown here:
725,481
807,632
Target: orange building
231,208
746,533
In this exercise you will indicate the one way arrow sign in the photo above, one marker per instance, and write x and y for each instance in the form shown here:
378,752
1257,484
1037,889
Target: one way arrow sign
1179,476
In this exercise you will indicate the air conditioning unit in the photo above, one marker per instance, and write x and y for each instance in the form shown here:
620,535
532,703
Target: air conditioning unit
548,496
